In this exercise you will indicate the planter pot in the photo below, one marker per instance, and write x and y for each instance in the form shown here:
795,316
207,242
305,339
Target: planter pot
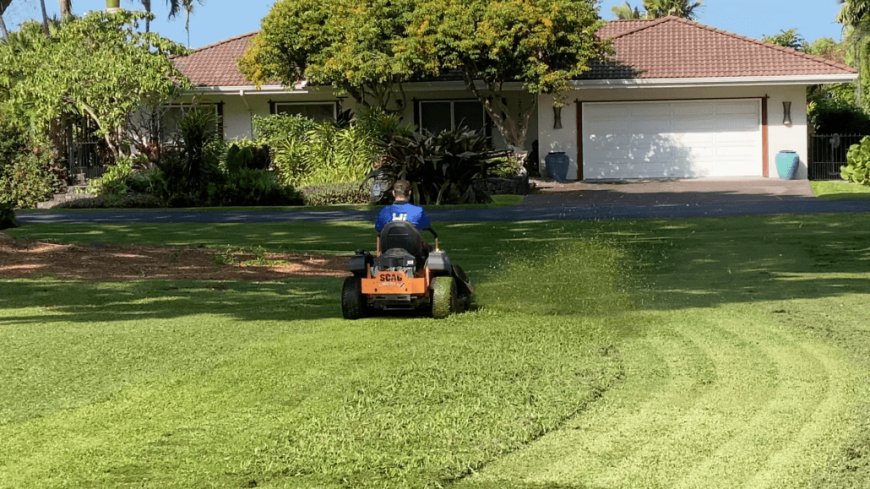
787,164
557,165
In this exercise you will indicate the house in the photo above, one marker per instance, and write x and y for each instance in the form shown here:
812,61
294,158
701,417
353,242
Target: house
678,99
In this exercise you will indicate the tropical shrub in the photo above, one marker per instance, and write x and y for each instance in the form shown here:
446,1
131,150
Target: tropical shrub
306,152
244,153
7,216
857,169
253,187
442,168
336,193
192,165
27,180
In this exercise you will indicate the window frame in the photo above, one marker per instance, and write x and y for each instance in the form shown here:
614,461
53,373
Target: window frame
420,103
274,105
184,106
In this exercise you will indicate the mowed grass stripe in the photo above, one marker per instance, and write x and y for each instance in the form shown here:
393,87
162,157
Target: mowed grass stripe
664,366
803,393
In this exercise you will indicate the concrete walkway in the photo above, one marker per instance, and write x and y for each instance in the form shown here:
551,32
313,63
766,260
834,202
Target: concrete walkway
554,201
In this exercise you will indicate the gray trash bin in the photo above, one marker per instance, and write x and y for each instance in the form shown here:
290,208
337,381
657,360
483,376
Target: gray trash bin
557,165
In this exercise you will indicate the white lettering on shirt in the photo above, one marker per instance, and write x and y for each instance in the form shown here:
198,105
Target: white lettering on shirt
400,216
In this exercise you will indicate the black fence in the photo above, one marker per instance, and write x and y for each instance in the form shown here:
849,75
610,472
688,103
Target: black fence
828,154
86,153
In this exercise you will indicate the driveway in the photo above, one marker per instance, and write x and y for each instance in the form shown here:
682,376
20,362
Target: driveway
555,201
670,192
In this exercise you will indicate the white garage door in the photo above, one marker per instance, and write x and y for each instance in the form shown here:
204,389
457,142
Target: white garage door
675,139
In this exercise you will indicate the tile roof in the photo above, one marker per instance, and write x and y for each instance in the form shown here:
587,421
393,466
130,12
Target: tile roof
217,64
669,47
673,47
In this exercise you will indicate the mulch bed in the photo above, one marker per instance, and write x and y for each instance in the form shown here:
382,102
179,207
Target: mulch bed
31,259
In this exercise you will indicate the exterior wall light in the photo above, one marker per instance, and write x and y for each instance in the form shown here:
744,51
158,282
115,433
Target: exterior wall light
786,113
557,117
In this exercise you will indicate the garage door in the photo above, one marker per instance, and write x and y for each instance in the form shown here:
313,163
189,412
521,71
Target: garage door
674,139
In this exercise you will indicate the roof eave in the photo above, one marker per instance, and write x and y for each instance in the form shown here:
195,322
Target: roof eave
737,81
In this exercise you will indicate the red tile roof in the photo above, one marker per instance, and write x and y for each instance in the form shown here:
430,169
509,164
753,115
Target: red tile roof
673,47
669,47
217,64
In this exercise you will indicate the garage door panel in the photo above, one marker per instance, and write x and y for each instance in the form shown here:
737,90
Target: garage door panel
672,139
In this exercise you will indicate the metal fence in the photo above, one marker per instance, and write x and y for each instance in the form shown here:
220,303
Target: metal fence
828,154
85,152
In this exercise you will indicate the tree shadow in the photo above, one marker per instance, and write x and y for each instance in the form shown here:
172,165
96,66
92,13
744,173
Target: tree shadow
711,262
85,302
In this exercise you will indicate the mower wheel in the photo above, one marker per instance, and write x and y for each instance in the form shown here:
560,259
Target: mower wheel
443,297
353,305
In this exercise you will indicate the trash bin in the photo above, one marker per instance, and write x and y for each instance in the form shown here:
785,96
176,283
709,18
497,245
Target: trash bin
787,162
557,165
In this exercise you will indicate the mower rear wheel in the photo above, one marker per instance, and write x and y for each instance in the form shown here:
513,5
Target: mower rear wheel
353,304
443,297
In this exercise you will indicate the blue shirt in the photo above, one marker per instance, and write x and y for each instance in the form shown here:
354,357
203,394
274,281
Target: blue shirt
403,212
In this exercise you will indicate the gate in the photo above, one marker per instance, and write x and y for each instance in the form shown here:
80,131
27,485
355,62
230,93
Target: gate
828,154
85,152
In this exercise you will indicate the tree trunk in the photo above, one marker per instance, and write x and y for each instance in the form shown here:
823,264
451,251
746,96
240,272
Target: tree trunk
65,8
147,5
44,18
4,33
512,128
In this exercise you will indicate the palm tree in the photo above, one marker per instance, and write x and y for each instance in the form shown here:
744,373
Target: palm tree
663,8
4,33
187,6
626,12
855,17
654,9
44,18
65,8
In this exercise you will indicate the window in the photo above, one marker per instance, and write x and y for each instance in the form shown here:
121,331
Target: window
170,120
440,115
319,111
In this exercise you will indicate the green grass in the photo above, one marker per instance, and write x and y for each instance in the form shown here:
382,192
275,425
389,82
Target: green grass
700,353
840,189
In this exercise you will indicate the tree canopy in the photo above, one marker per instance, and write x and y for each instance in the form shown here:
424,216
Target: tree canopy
98,66
789,38
370,47
654,9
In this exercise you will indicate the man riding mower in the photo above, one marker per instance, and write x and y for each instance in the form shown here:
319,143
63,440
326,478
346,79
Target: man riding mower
404,274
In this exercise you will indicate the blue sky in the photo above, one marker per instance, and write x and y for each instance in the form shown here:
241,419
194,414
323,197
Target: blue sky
216,20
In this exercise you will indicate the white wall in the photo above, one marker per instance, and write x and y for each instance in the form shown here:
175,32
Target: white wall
780,137
239,111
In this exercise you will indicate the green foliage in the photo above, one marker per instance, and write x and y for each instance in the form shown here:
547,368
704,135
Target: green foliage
857,169
27,180
99,66
7,216
790,39
192,166
542,44
349,45
308,153
442,168
654,9
248,186
336,193
831,115
244,153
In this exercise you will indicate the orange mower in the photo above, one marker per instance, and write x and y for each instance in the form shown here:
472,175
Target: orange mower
403,275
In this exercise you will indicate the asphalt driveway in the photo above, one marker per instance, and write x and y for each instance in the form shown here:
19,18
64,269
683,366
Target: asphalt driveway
578,200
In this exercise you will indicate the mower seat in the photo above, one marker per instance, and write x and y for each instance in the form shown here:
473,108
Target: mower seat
403,235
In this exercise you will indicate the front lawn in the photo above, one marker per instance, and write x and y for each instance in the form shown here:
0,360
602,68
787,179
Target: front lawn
839,189
701,353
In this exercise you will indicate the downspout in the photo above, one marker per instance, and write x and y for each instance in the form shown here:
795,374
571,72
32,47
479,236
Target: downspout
250,112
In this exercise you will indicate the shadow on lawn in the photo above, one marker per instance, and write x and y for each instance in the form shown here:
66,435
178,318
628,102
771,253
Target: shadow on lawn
696,264
57,301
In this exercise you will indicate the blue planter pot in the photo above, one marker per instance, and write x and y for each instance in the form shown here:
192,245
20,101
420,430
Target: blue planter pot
557,165
787,164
